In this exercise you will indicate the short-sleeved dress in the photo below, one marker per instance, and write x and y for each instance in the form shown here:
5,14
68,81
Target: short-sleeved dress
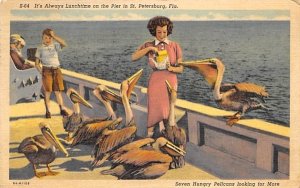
158,97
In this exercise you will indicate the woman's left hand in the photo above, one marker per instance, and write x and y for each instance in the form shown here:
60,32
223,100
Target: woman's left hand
175,69
170,67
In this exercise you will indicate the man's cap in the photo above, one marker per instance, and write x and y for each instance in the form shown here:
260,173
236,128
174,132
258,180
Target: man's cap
14,38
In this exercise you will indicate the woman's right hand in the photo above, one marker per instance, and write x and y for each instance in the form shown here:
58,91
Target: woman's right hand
153,49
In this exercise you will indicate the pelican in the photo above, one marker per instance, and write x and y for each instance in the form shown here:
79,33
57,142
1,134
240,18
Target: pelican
105,94
172,132
111,140
89,132
241,97
41,149
133,162
83,130
77,120
71,122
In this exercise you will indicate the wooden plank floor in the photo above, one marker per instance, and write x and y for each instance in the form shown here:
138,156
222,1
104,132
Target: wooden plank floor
24,121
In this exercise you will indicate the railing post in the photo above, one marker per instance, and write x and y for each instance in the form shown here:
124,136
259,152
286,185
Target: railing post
264,154
81,88
193,128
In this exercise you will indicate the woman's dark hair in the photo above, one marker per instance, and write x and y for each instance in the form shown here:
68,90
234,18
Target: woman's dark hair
159,21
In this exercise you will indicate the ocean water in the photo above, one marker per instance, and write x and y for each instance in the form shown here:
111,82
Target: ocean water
252,51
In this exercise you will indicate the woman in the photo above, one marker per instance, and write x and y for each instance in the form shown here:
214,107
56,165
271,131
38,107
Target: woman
164,68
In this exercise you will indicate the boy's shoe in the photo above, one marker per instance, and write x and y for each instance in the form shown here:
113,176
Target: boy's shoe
48,115
64,113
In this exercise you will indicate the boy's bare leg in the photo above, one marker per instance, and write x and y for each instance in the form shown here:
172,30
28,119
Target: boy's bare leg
47,103
60,103
59,98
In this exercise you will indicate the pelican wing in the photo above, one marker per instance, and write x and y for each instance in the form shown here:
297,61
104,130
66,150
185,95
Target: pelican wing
95,120
151,171
41,142
133,145
140,157
29,149
32,144
71,122
136,144
251,88
207,69
89,131
116,138
226,87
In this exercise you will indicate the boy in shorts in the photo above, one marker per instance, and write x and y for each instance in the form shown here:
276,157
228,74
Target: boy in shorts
47,55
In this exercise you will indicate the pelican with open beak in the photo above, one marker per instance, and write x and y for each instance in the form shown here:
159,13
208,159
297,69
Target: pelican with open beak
111,140
133,161
109,95
241,97
42,149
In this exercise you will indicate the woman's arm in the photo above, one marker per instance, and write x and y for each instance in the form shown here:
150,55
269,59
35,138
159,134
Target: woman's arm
140,53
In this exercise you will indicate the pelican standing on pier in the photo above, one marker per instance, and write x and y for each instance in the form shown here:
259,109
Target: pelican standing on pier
110,140
71,122
83,130
241,97
41,149
133,162
172,132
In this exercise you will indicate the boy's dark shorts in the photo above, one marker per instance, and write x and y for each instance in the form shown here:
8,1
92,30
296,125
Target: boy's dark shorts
52,79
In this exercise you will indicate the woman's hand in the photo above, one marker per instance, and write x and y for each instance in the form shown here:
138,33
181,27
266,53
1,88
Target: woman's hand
177,69
152,48
140,53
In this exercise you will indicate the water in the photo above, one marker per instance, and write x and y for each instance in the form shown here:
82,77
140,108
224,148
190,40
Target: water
252,51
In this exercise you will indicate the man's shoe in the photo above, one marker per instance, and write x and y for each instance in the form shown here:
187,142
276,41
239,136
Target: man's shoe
64,113
48,115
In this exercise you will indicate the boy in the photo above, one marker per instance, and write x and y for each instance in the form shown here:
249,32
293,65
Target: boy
47,55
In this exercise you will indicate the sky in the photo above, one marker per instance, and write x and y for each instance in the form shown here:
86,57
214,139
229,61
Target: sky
145,14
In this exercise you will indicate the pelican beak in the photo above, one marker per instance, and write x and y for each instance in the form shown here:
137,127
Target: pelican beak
206,67
175,148
107,94
76,98
47,132
172,92
115,122
132,81
169,87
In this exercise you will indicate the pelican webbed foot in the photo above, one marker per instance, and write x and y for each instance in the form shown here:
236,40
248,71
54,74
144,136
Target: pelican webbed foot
40,174
50,172
233,119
